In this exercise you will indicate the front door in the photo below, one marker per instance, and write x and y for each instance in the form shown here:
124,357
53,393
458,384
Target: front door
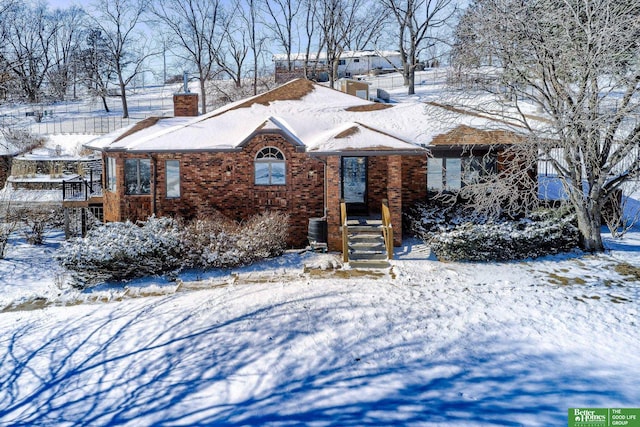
354,184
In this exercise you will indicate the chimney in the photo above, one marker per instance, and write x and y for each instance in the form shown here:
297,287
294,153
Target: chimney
185,104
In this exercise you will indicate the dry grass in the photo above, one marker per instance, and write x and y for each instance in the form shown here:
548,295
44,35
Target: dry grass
368,107
628,270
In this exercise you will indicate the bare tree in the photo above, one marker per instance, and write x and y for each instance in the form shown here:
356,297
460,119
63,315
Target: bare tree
257,39
196,27
337,20
234,46
120,22
416,23
28,32
280,20
569,72
96,70
65,48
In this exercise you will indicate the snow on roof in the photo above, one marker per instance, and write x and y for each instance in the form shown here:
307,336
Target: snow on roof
309,114
356,137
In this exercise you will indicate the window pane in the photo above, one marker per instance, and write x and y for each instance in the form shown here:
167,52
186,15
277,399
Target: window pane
111,174
145,176
131,176
173,178
277,173
453,174
262,173
434,174
137,176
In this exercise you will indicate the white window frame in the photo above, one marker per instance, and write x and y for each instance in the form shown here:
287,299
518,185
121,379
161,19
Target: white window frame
172,191
272,158
111,182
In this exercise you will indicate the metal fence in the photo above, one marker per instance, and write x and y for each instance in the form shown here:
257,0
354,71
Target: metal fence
395,81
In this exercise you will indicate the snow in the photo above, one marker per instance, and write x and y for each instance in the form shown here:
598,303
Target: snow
295,341
321,112
300,340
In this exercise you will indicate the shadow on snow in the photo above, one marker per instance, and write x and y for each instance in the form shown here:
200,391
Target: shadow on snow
276,364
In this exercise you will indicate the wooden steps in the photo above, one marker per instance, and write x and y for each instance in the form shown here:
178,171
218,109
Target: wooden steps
366,244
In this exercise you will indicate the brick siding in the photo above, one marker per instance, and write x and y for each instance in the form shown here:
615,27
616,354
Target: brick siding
224,182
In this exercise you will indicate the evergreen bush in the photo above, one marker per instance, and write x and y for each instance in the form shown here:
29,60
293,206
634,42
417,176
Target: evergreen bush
538,235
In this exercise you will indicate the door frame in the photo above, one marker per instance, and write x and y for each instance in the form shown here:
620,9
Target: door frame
358,208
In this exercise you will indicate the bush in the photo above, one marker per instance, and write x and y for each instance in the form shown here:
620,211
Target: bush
541,234
424,219
118,251
218,242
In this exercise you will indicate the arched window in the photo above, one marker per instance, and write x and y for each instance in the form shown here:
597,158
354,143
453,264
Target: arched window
270,167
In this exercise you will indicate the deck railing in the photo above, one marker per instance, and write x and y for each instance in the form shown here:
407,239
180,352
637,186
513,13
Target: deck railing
80,188
345,231
387,228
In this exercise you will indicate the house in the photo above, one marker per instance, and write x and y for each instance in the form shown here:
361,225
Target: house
302,148
351,63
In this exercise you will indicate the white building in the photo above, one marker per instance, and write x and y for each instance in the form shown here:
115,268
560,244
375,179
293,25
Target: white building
351,63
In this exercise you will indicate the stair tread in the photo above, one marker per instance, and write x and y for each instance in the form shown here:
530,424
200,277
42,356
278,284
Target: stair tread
369,264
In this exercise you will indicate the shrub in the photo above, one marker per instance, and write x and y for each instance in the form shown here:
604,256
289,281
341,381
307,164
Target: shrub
118,251
217,242
540,234
426,218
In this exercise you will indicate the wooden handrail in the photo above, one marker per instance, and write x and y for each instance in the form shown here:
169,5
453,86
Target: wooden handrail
387,228
345,231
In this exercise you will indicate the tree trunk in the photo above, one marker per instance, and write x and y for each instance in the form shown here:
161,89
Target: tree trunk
104,103
412,81
123,95
589,225
203,99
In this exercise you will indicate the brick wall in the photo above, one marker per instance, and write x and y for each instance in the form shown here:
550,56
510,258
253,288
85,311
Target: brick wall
414,180
119,206
224,182
185,104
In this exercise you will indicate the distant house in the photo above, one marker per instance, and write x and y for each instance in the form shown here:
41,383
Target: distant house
351,63
302,148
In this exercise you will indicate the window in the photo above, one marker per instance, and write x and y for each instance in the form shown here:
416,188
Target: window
451,173
172,168
270,167
111,174
342,62
356,60
475,167
137,176
435,177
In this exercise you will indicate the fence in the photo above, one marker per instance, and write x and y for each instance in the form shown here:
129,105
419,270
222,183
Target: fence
396,81
84,117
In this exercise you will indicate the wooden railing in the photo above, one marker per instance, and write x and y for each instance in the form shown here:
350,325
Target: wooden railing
387,228
345,231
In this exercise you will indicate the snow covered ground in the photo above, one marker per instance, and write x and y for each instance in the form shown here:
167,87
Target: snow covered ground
287,343
298,340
